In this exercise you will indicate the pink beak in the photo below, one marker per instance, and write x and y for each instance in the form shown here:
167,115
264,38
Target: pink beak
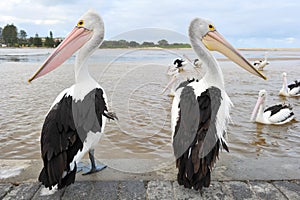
255,110
74,41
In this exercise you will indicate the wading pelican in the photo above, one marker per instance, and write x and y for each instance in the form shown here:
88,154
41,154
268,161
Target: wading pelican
177,66
180,76
260,64
197,63
276,114
179,62
77,117
289,90
200,108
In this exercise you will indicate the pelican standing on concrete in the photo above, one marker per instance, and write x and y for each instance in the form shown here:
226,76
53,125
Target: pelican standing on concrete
200,108
289,90
76,119
277,114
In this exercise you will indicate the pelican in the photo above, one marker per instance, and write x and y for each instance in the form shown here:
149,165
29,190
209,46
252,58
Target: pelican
176,67
180,76
197,62
289,90
260,64
200,108
76,119
277,114
179,63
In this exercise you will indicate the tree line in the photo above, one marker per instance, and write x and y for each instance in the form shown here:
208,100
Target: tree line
133,44
11,37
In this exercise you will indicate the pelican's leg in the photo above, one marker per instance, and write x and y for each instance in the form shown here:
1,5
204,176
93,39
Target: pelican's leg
110,115
93,168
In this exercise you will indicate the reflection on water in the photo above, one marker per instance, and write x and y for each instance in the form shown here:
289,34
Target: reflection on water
133,81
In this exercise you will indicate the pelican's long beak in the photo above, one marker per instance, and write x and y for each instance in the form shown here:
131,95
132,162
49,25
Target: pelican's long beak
74,41
174,78
285,84
215,41
255,110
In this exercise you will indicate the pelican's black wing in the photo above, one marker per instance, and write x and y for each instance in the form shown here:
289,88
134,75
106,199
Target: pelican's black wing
59,144
195,142
64,132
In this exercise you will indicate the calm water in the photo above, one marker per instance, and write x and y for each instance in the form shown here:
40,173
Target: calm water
133,81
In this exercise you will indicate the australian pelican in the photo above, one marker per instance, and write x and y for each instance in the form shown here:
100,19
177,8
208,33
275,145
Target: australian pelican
197,62
289,90
200,108
176,66
76,119
179,77
277,114
260,64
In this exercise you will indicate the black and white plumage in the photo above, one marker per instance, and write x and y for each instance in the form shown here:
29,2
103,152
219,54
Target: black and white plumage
291,89
176,67
200,109
191,70
76,119
179,62
277,114
261,64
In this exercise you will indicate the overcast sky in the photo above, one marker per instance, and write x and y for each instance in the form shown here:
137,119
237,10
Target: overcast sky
245,23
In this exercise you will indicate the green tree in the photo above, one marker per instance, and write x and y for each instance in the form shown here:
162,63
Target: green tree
9,34
163,42
148,44
49,42
22,37
1,39
37,41
133,44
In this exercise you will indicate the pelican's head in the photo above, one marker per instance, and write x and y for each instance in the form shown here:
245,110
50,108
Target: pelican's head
89,29
261,100
284,74
205,30
262,94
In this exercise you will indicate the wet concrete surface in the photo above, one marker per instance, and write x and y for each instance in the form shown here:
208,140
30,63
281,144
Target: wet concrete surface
232,178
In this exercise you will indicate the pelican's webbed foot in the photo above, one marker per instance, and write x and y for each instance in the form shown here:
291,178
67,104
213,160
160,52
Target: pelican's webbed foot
111,115
94,168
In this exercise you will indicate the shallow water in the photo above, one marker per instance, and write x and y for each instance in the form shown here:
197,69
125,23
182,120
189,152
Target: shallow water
133,81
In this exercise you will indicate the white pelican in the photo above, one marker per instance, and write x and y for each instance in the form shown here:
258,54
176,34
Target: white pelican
276,114
176,67
260,64
197,62
180,76
289,90
77,117
200,108
179,63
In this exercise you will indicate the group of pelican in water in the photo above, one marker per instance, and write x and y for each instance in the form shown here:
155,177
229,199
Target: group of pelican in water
277,114
200,108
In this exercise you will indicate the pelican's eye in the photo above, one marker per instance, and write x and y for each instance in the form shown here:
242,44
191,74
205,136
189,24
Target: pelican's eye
211,27
80,23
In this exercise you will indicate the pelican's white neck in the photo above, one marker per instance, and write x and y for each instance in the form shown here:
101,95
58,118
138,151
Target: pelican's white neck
214,75
260,113
81,67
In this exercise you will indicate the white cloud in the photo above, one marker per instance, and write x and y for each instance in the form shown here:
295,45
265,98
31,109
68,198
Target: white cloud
235,19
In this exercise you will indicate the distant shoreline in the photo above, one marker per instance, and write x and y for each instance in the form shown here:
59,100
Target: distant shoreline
158,48
269,49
